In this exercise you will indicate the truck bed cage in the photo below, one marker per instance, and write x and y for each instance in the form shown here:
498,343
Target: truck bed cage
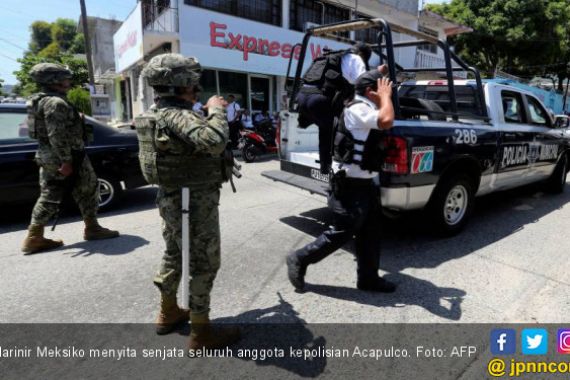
385,50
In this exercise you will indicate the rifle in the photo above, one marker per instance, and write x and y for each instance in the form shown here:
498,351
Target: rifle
77,157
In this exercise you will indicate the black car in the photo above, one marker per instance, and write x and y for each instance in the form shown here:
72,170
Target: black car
113,153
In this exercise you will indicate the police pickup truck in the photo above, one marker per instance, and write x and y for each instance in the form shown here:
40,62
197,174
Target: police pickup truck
453,140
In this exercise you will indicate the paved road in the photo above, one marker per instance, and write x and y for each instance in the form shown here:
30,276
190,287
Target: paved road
510,265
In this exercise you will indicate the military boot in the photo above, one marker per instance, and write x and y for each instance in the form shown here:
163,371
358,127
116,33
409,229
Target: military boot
35,241
94,231
170,316
204,335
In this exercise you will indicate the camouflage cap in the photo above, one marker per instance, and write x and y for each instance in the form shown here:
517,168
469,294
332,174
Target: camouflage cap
172,70
49,73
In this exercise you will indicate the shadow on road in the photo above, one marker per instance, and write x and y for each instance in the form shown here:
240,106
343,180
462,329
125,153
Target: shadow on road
409,243
16,217
279,327
411,291
118,246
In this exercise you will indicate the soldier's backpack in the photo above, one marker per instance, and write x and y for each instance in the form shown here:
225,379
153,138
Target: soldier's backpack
166,160
32,105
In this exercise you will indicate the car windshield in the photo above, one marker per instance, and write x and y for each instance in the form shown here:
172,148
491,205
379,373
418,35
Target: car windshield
13,126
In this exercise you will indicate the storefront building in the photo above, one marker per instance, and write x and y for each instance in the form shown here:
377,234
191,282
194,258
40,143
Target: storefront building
244,46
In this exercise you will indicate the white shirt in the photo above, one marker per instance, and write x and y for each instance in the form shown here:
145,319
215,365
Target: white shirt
232,109
197,107
359,120
246,121
352,66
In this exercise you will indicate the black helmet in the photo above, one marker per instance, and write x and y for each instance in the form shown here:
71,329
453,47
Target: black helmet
363,50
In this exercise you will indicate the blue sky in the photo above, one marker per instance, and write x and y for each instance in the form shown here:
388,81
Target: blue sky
16,17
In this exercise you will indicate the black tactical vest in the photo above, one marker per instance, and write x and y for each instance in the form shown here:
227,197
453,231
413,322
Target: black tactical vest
325,73
346,147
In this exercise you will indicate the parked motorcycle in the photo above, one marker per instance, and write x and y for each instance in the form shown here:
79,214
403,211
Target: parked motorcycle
261,140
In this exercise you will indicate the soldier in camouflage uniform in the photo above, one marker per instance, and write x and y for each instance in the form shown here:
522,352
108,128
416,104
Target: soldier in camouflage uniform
61,136
180,148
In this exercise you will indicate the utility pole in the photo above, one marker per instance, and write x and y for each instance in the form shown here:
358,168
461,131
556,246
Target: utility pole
87,45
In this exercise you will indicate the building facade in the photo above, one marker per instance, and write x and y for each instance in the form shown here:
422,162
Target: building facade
244,46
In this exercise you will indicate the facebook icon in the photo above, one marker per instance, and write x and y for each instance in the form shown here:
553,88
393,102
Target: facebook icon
503,342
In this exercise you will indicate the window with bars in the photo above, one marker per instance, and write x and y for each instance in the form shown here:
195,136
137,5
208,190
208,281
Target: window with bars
304,11
428,47
369,35
267,11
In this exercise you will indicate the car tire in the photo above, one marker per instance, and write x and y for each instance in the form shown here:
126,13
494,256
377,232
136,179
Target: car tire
249,153
451,205
557,181
110,192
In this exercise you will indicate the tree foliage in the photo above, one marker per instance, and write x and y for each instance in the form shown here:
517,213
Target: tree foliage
41,36
522,37
1,81
55,42
81,99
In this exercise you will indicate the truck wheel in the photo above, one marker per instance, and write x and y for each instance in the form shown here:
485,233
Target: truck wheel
451,204
557,181
249,153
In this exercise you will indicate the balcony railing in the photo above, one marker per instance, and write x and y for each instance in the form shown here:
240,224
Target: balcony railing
160,19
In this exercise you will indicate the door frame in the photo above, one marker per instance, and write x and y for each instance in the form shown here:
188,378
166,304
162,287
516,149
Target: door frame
270,80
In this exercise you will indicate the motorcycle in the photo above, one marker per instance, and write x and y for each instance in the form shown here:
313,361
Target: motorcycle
259,141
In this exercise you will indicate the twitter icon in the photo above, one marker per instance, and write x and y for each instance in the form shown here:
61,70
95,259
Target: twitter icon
534,341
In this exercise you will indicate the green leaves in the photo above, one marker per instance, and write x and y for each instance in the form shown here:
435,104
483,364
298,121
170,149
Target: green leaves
56,42
512,35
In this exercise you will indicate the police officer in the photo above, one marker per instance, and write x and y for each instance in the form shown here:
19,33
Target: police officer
354,197
61,136
180,148
325,87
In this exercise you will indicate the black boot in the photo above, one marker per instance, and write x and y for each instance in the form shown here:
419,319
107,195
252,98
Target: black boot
296,271
312,253
376,285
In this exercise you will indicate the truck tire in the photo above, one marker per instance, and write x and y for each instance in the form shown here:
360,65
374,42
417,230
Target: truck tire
557,181
450,206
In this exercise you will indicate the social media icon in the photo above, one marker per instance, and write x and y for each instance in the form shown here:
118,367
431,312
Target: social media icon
534,341
503,342
563,341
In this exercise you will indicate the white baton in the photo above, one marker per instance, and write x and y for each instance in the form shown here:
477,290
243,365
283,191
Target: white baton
185,247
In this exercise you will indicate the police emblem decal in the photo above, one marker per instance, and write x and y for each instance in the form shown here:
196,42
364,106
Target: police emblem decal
422,159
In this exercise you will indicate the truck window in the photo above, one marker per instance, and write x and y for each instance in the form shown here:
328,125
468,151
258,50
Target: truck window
436,97
538,114
512,107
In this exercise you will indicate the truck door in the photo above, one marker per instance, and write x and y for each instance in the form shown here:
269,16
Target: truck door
515,136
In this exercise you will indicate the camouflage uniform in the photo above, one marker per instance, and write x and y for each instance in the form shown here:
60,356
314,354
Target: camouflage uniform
207,137
61,136
61,131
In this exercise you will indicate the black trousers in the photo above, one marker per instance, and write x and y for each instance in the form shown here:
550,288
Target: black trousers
356,214
316,109
234,132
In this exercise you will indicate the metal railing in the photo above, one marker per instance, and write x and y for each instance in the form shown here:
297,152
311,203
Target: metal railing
160,19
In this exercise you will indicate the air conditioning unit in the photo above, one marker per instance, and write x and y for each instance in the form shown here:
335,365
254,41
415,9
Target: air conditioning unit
309,25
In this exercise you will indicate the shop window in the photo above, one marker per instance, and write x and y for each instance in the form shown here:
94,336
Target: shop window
369,35
316,12
234,84
208,84
267,11
430,48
